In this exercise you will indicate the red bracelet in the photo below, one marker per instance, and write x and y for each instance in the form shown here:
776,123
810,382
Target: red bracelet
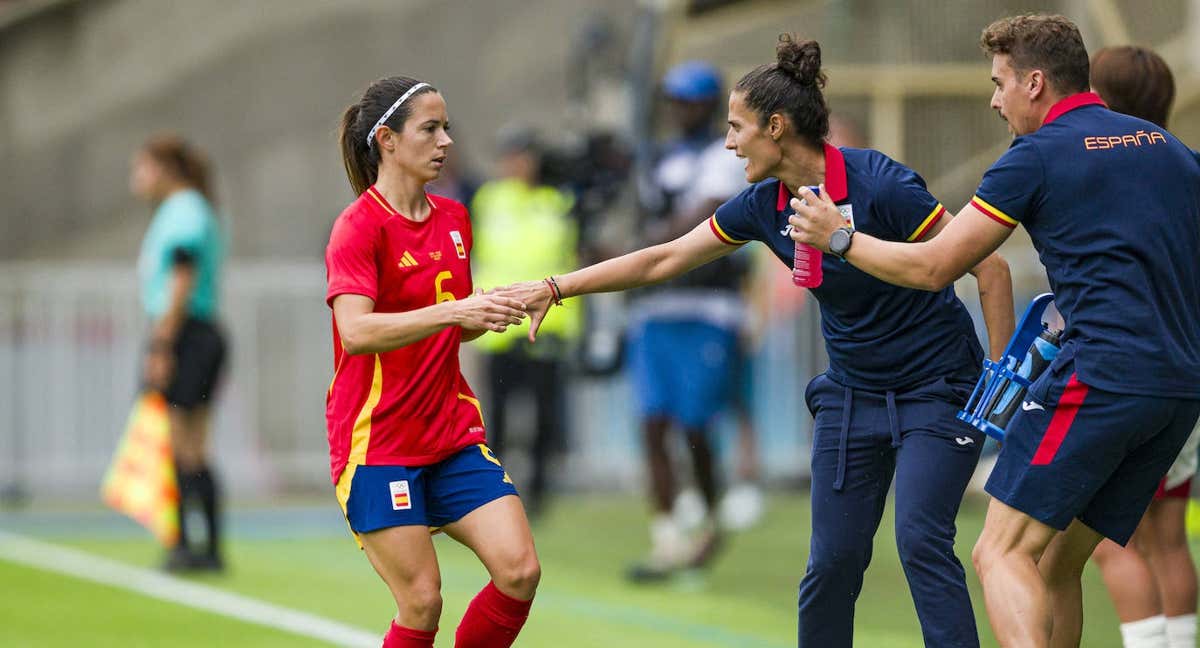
555,293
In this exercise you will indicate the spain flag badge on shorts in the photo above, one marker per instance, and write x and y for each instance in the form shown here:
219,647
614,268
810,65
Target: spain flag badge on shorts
400,497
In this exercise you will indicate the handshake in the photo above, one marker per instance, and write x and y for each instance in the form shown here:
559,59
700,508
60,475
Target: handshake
497,309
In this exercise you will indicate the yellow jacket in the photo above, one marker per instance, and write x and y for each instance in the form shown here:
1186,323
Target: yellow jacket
521,233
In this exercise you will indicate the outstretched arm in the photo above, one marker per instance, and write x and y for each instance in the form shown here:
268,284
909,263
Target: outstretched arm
647,266
641,268
929,265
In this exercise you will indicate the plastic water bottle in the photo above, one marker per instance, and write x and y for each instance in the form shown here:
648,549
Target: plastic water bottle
806,263
1041,353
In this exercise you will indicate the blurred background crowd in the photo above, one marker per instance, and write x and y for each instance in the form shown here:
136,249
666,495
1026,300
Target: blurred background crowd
574,142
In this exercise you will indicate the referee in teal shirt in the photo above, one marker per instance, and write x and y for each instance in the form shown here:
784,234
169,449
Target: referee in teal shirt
178,268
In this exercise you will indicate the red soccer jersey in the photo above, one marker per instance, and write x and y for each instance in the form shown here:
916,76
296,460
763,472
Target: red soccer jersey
410,406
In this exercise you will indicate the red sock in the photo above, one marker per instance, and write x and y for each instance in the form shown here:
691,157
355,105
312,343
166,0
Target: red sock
493,620
401,637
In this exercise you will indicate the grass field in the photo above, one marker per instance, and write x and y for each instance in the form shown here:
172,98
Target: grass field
300,557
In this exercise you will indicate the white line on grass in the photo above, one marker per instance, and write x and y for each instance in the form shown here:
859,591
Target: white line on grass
78,564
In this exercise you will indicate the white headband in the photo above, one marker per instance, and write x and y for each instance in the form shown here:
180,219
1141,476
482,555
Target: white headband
386,115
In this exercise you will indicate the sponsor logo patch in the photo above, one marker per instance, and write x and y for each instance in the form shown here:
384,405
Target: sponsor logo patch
407,260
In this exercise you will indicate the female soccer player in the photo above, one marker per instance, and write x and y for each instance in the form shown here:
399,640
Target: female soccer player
1152,580
406,436
179,267
901,361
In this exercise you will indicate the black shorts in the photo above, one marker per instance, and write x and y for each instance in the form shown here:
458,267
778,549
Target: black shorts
199,357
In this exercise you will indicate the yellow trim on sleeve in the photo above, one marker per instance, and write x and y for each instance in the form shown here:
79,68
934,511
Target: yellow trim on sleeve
995,212
933,216
721,233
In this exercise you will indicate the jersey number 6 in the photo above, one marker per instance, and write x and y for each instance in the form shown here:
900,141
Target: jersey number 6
442,295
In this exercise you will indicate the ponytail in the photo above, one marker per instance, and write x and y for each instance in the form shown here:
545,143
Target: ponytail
361,161
385,103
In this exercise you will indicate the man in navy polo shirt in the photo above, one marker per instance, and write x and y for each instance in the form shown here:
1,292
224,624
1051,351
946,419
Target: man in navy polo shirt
1112,204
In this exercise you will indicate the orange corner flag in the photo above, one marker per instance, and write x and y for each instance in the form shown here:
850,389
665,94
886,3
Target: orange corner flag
140,482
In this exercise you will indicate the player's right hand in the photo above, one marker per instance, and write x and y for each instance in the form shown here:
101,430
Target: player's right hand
488,311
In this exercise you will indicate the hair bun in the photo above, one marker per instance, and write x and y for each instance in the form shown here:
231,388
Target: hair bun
800,60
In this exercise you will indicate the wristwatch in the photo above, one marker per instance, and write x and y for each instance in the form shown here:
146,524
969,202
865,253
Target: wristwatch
839,242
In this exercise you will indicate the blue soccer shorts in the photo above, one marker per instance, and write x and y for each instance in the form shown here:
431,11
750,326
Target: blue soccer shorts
378,497
683,370
1075,451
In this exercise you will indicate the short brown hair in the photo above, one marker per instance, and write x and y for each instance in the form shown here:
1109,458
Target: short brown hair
1051,44
1135,81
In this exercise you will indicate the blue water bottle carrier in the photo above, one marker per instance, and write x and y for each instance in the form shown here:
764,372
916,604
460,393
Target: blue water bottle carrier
1002,386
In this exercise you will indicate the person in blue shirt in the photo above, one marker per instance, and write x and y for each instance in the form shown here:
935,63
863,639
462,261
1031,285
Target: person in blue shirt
684,347
179,269
1112,204
901,361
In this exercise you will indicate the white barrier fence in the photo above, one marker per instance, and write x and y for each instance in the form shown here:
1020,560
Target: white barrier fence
70,345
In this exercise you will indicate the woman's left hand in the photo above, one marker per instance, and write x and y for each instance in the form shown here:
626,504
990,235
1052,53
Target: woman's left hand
816,218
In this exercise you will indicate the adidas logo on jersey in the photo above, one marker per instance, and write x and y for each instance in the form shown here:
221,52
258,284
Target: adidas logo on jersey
407,260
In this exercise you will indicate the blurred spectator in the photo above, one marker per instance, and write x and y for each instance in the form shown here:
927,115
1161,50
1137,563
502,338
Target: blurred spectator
684,337
179,270
524,228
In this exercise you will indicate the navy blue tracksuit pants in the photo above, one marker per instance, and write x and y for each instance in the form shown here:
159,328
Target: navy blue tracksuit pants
861,440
